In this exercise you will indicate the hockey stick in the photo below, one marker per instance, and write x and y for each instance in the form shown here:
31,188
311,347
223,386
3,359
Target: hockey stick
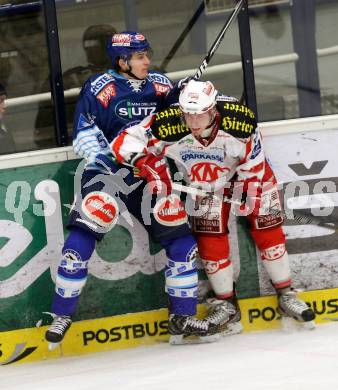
217,41
183,34
298,217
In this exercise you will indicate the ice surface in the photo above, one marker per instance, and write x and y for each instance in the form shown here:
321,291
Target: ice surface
273,360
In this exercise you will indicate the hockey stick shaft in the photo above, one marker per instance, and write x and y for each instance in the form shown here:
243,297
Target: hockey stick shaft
217,41
298,217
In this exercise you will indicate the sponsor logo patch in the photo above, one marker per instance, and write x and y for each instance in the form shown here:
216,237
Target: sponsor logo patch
71,261
128,110
101,82
206,172
19,353
125,39
170,211
210,267
161,88
105,96
274,252
158,78
191,155
101,208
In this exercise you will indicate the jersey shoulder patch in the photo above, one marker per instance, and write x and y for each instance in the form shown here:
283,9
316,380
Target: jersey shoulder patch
99,81
158,77
168,125
236,119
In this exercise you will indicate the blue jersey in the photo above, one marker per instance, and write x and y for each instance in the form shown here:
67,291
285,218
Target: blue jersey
108,103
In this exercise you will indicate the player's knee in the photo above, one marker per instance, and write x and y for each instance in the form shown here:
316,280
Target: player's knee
213,247
214,266
276,263
274,252
73,268
182,249
72,274
220,275
268,238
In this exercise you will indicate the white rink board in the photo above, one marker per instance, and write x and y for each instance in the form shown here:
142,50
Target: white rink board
311,157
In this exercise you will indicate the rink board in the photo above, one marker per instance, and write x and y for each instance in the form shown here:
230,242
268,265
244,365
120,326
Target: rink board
139,329
36,190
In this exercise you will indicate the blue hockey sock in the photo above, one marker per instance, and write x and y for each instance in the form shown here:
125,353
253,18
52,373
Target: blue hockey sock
72,271
181,275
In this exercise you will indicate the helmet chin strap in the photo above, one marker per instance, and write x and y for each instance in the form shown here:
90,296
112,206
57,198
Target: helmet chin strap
207,132
130,73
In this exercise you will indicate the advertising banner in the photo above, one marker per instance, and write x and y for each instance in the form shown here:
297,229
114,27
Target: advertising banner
305,164
125,272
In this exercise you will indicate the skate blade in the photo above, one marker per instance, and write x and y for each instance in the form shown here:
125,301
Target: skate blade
290,324
183,340
52,346
231,329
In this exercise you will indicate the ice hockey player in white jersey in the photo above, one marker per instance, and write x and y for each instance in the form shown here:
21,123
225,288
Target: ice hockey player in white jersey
215,141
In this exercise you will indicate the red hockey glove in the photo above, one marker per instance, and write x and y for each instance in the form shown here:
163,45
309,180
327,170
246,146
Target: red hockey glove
154,169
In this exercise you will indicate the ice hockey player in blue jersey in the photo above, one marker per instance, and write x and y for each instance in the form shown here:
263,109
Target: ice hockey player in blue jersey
108,103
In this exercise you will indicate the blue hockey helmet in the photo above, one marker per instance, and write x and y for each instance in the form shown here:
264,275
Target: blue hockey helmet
123,45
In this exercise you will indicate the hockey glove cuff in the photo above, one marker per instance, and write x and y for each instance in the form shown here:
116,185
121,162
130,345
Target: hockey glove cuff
155,171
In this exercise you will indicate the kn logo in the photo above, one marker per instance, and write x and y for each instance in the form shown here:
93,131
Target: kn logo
206,172
20,352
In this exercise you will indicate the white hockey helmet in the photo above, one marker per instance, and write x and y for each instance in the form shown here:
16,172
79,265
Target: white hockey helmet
197,97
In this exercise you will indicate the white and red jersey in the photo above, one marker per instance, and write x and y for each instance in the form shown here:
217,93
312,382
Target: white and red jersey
225,155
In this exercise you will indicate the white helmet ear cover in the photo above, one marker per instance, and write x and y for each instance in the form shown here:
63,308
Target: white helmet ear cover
197,97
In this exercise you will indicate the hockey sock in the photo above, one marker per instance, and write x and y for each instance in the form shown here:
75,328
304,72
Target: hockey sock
72,271
181,275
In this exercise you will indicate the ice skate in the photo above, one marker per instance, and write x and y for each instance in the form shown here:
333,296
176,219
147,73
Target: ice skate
291,307
225,315
57,331
190,330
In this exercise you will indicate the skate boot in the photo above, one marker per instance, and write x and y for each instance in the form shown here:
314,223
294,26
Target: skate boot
57,330
291,306
190,330
226,315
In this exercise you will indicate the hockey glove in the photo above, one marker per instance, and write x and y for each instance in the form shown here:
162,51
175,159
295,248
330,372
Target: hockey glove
155,171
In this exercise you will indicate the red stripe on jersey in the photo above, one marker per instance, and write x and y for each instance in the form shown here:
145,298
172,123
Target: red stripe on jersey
148,124
248,147
117,146
164,150
256,168
153,142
